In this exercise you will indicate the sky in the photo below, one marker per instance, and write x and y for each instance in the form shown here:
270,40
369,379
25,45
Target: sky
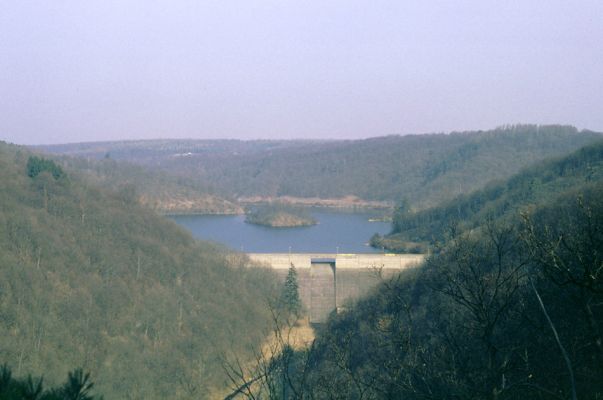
73,71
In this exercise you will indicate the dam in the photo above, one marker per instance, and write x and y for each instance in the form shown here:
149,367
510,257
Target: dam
328,282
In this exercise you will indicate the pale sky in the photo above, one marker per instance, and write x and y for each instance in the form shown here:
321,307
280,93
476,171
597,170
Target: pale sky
117,69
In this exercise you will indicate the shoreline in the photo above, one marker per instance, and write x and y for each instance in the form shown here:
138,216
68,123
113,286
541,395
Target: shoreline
343,205
347,202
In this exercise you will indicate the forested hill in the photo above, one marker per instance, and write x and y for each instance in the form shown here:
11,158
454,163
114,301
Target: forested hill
155,189
499,199
90,279
425,169
511,311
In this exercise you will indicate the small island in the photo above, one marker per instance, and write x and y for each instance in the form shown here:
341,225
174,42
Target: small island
279,216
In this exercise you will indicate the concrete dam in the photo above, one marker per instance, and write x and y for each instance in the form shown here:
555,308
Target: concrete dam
327,282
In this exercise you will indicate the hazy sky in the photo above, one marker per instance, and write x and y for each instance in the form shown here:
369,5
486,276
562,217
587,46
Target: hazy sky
99,70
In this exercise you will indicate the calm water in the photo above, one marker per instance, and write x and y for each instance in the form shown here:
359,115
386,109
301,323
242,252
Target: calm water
336,231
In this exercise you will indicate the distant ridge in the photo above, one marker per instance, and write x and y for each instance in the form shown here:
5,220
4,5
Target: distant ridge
424,169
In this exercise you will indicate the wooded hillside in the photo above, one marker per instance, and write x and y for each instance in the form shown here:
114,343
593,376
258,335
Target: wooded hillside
154,188
424,169
511,309
533,185
90,279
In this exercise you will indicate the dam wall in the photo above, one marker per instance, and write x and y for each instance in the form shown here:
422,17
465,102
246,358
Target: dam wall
327,282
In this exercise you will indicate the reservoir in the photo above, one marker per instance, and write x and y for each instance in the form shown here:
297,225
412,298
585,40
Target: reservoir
336,232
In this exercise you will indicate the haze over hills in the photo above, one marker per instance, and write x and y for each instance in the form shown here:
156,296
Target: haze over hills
497,200
154,188
156,152
138,291
89,278
425,169
289,137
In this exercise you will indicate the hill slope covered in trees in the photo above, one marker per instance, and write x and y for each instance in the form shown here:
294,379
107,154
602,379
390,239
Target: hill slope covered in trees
425,169
153,188
90,279
496,200
490,316
511,309
508,305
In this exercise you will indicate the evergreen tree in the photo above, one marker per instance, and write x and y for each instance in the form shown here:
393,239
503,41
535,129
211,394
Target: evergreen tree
37,165
290,297
77,387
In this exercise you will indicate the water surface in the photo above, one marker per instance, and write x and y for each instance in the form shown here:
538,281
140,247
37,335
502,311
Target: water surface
335,232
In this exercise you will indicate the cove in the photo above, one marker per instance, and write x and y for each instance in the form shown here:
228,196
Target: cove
336,232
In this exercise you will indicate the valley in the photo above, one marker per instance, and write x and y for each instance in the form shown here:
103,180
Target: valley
301,200
164,289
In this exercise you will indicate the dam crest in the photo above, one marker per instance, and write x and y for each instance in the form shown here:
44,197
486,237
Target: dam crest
327,281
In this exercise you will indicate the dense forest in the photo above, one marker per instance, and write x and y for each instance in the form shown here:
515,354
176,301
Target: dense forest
89,279
496,200
424,169
154,189
511,309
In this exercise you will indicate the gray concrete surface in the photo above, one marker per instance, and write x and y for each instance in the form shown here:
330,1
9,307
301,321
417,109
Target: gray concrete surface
324,289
